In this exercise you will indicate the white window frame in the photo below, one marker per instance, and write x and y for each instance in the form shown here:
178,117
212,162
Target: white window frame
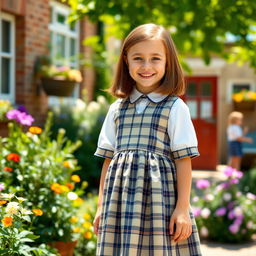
233,82
59,28
11,56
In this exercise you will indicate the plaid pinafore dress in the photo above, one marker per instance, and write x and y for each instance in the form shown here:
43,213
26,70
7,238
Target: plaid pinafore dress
140,187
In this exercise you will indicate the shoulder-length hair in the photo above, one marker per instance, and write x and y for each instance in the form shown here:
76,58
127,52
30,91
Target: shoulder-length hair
234,117
173,81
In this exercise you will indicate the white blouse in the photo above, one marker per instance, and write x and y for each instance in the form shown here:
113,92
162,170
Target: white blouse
234,131
180,127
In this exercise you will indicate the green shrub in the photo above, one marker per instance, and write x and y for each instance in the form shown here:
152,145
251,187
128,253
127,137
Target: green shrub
248,182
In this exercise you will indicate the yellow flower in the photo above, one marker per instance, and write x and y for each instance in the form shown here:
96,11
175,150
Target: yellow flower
87,216
12,208
76,230
87,224
58,189
2,202
78,201
38,212
7,221
35,130
74,219
87,235
75,75
75,178
237,97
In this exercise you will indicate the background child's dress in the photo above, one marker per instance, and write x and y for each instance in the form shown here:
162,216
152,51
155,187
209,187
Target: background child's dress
140,186
234,146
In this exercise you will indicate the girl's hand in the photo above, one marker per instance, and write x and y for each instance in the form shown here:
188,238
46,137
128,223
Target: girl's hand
183,225
96,220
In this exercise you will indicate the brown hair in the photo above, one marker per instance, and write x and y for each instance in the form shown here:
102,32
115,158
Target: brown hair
173,81
234,116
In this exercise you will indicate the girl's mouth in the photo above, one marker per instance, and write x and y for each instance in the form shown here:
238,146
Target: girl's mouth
146,76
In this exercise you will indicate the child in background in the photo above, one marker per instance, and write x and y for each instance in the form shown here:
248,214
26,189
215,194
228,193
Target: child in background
147,140
236,135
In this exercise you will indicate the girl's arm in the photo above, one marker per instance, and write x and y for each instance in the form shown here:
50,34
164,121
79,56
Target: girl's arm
244,139
102,180
180,217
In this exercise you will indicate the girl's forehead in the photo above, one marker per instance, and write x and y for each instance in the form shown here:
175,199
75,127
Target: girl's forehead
154,47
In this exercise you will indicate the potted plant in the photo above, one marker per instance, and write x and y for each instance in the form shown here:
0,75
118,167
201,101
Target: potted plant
244,100
57,80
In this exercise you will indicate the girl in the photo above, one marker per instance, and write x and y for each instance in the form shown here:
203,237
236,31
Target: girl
147,140
235,138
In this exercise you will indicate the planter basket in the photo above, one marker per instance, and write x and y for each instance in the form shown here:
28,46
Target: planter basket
64,248
244,105
57,87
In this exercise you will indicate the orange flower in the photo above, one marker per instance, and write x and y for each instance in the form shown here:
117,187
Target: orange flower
67,164
3,202
70,186
76,230
73,219
38,212
7,221
35,130
87,235
78,201
13,157
8,169
58,189
75,178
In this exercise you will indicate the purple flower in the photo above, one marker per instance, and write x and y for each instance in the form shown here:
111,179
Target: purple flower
233,228
229,171
231,215
2,187
20,117
238,174
234,181
230,205
201,184
221,211
238,221
22,108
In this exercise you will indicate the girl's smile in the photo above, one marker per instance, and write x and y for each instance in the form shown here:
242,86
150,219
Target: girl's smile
146,62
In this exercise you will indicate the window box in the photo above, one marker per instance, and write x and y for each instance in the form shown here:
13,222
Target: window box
244,105
57,87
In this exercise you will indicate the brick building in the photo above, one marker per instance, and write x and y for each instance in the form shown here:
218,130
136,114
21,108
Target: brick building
29,29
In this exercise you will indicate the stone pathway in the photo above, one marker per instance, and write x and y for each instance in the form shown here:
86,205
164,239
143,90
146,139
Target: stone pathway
220,249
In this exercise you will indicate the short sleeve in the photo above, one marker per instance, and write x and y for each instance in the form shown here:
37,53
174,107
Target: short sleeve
234,132
183,141
106,141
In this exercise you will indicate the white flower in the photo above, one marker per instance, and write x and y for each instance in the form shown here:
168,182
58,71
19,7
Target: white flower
204,232
238,193
6,196
80,105
251,196
101,99
25,211
205,213
209,197
227,196
249,224
195,199
93,106
238,211
21,199
72,196
12,208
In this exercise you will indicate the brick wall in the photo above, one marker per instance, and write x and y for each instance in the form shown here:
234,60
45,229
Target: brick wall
32,37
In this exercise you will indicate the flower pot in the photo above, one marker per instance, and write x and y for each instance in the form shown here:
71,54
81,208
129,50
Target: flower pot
244,105
58,87
64,248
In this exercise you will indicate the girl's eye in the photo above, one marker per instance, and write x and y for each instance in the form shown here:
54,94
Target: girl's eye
137,58
156,58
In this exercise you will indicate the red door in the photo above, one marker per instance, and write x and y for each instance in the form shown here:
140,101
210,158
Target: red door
201,98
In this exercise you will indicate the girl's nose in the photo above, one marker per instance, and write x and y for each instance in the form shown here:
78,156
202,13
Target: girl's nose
146,64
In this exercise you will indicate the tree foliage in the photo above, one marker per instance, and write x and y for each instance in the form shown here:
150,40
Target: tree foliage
198,27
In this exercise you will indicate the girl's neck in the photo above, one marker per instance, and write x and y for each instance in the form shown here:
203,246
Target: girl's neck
146,90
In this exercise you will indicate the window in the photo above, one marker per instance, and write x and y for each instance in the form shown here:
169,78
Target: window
7,56
238,85
64,42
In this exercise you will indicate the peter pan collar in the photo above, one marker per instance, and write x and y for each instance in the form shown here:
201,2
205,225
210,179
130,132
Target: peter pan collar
152,96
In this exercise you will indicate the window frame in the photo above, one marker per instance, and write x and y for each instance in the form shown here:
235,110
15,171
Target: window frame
241,82
58,28
10,18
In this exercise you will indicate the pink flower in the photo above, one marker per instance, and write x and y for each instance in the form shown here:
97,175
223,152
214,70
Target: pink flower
201,184
221,211
2,187
196,211
233,228
229,171
231,215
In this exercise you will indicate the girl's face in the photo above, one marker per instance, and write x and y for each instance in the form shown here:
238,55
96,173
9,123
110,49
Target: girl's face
146,62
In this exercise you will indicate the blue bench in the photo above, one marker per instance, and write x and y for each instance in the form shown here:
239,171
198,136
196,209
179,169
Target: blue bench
250,148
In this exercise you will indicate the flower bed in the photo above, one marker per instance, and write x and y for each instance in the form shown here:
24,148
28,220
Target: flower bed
222,212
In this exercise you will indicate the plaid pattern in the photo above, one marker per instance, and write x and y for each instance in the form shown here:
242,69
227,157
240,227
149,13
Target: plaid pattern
140,189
